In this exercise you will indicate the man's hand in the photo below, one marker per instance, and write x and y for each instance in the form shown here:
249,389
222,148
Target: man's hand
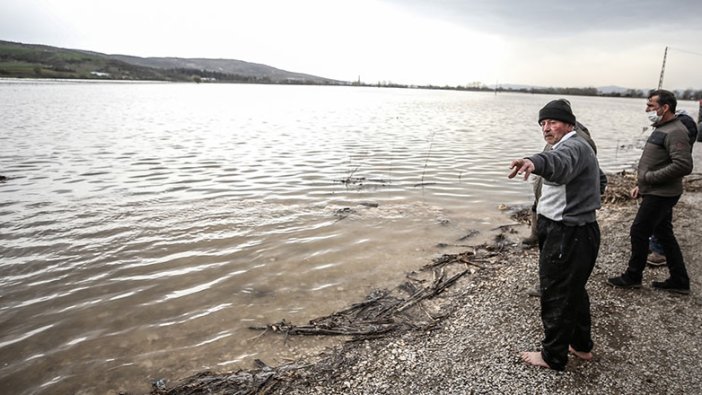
634,193
520,166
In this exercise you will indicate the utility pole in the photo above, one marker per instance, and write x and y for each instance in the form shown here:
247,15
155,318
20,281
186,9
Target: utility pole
660,81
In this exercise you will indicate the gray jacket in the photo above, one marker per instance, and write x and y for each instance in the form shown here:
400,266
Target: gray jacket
571,190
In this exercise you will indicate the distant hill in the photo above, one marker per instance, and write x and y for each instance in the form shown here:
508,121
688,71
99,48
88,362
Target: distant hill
42,61
225,66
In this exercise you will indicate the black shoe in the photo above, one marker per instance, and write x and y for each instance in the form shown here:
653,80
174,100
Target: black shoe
670,286
623,282
530,241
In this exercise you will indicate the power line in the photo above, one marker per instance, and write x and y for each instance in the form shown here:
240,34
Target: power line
686,51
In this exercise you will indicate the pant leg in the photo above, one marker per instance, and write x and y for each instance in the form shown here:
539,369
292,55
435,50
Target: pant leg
581,339
665,236
566,260
652,211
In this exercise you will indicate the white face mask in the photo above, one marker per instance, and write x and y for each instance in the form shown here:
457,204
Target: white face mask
653,117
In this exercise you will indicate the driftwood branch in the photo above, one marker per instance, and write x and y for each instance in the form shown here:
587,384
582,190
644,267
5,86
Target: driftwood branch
382,313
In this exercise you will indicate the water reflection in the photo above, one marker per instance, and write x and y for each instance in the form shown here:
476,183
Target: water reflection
146,226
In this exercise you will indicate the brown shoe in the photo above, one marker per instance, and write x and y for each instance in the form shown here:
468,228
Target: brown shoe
655,259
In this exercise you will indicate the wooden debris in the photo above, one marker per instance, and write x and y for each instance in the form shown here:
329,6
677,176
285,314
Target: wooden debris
381,314
470,234
522,216
619,186
693,182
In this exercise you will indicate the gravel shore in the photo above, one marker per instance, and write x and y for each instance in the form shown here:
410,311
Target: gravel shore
646,341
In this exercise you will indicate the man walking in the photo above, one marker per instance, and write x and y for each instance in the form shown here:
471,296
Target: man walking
569,237
666,159
657,255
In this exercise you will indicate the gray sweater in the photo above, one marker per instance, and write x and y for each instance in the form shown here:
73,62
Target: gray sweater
571,190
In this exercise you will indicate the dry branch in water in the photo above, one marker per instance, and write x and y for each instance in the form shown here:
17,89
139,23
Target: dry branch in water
379,315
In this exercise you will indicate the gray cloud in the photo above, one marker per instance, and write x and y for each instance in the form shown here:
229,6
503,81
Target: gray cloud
541,17
29,22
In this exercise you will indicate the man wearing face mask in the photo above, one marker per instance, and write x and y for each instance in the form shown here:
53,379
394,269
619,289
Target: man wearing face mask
666,159
657,255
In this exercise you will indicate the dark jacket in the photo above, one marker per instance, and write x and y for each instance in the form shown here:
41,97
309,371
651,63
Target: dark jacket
690,125
665,160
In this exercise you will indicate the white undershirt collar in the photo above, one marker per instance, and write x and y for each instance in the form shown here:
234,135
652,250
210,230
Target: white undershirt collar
566,137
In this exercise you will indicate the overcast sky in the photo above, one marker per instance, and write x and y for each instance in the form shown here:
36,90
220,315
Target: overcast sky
454,42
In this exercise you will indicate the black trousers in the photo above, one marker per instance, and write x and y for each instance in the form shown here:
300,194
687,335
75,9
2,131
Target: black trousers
655,217
567,257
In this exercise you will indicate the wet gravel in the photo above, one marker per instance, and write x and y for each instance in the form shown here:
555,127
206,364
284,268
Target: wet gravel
646,341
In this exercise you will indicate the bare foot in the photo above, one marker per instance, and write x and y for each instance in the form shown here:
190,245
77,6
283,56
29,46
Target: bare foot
585,356
534,358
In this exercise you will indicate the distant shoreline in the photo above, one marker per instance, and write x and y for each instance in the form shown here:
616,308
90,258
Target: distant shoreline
549,91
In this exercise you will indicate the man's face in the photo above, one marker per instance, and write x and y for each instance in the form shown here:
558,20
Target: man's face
653,105
554,130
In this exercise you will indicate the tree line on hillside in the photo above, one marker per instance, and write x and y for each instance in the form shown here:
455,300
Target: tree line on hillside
216,76
687,94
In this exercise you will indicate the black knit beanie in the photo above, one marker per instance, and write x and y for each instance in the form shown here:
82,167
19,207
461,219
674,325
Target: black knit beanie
558,110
